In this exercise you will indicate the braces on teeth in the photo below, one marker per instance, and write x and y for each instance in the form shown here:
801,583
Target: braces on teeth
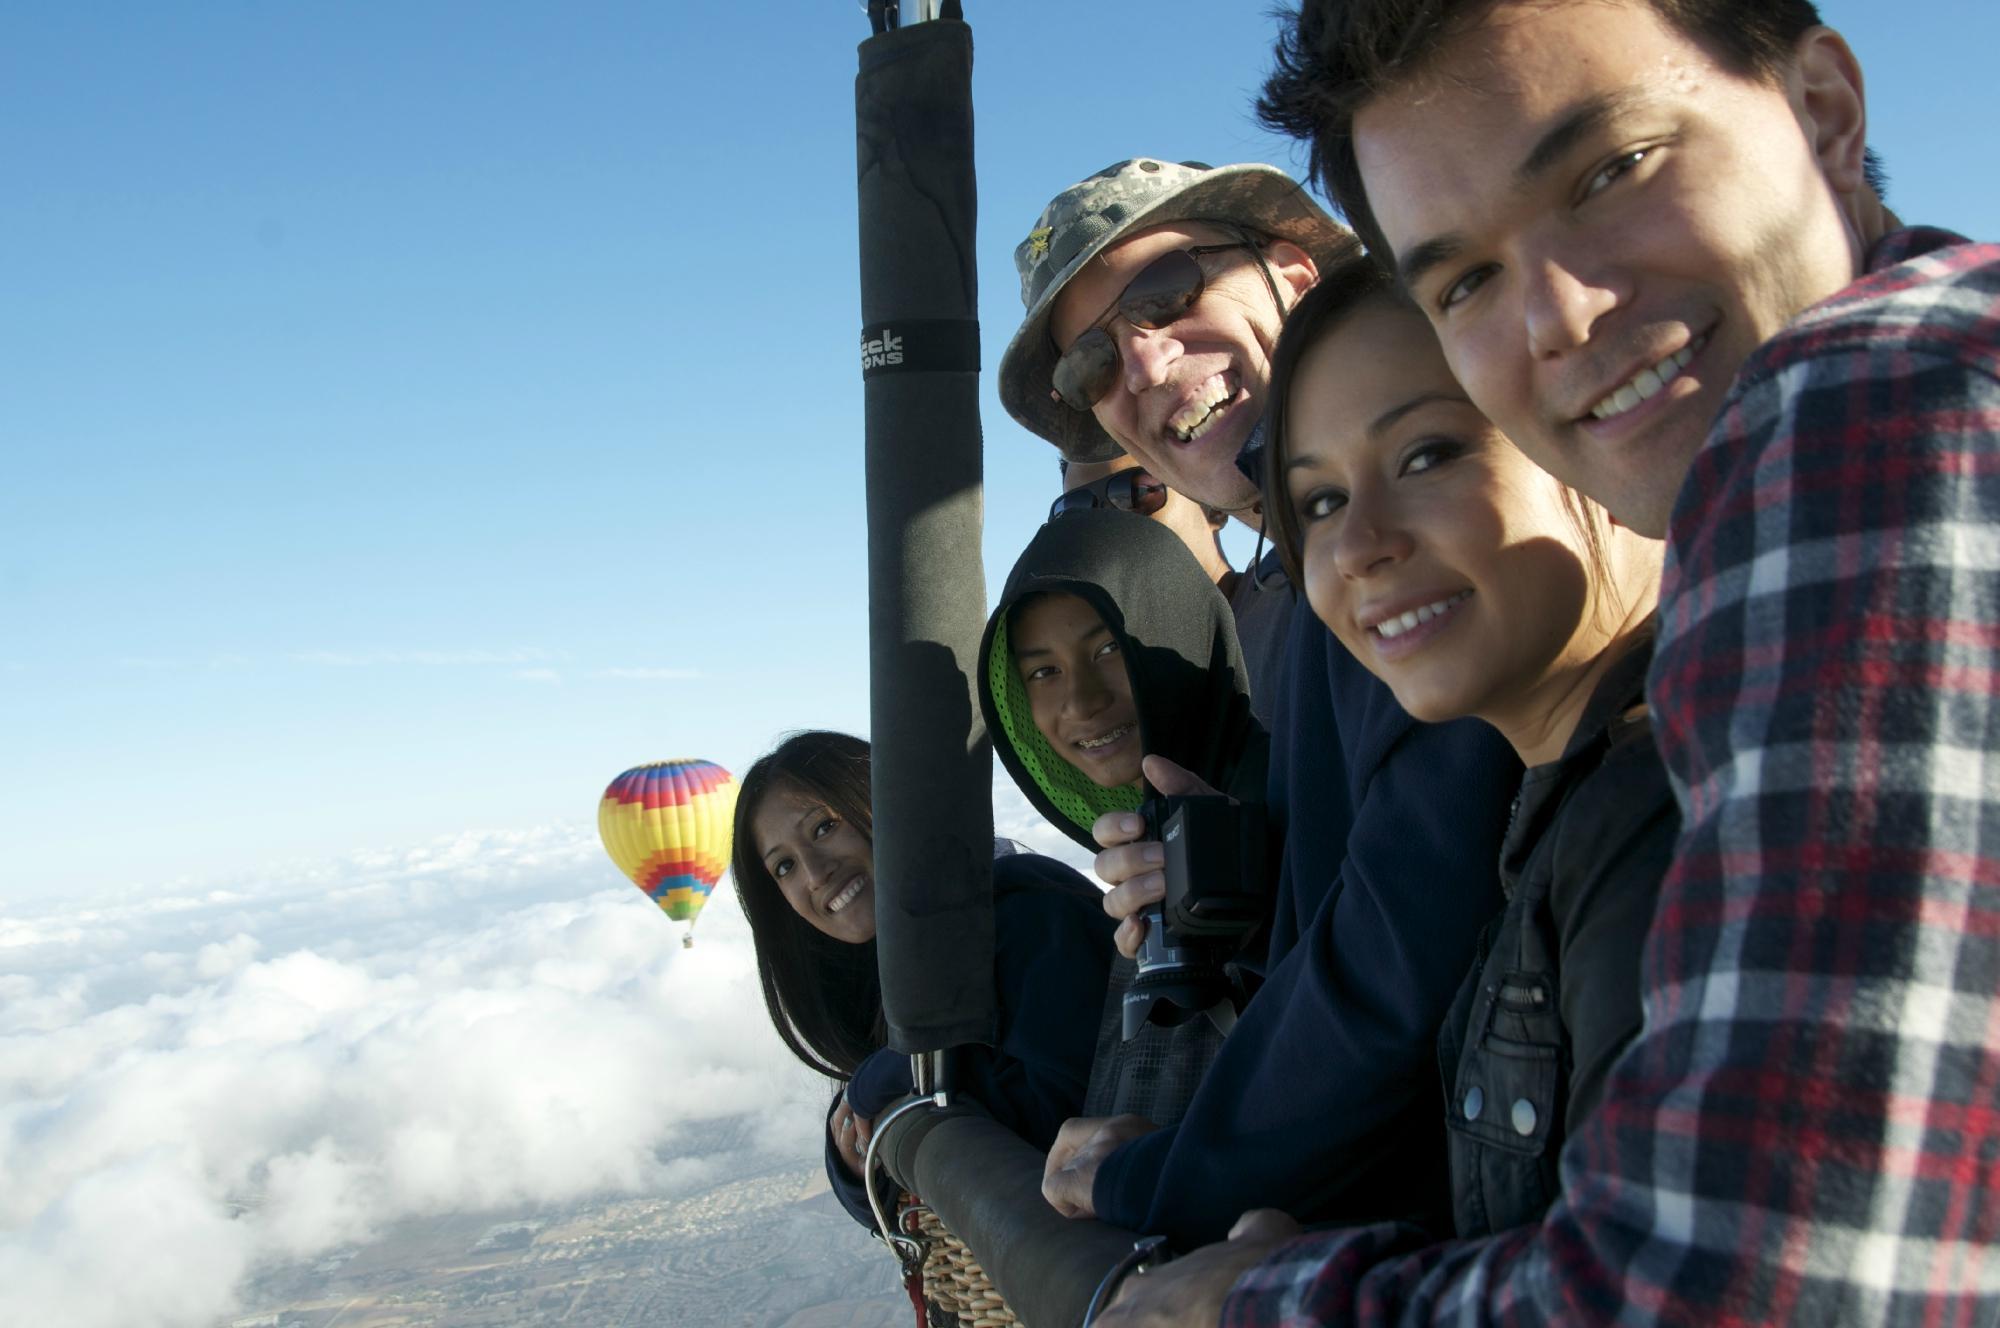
1104,739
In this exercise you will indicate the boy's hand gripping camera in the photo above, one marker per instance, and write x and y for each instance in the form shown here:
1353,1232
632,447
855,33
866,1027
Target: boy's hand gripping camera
1215,898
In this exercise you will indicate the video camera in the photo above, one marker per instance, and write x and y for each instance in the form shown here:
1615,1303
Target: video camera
1215,897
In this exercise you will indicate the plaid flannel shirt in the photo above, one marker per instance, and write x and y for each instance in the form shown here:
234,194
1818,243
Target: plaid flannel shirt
1807,1131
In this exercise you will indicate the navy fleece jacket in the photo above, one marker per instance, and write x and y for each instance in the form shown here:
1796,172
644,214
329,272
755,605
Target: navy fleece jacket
1324,1100
1051,955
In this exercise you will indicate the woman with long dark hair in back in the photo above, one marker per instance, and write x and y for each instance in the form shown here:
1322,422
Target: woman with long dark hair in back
803,862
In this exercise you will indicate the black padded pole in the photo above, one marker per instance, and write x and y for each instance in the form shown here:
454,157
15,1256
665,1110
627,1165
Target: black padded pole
985,1183
926,586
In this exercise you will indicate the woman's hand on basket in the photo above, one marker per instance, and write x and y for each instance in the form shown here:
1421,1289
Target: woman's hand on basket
849,1133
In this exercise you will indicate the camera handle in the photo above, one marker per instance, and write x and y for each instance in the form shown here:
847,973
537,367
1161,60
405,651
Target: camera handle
1174,984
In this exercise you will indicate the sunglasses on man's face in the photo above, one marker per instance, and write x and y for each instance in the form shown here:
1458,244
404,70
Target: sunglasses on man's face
1162,292
1127,490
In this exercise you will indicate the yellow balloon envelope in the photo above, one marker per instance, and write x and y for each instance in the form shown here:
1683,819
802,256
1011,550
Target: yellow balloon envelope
667,826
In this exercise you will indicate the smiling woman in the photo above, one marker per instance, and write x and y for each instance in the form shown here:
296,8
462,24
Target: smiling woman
803,860
821,862
1475,584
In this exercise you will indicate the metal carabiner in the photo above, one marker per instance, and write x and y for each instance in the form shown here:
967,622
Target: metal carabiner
909,1249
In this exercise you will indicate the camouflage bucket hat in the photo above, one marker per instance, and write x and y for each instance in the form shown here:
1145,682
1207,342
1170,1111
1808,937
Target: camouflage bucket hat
1085,219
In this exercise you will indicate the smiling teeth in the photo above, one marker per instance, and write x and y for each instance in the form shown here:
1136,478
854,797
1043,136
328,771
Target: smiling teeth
1647,382
1198,416
846,896
1104,739
1391,628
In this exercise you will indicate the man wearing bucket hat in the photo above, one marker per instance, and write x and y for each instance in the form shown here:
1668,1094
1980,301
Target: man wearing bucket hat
1155,293
1173,373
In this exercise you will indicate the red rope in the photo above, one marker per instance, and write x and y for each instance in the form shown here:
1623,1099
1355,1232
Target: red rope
914,1284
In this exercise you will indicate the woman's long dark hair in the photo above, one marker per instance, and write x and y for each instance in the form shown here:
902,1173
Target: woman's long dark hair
1338,293
824,995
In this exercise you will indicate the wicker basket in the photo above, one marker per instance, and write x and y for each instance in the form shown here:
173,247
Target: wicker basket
956,1289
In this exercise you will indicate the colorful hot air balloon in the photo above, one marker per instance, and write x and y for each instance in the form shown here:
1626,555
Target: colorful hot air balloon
667,826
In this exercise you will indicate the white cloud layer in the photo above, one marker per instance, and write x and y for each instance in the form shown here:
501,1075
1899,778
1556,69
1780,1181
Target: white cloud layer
191,1084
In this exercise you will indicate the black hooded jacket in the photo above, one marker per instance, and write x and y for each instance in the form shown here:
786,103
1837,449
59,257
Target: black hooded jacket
1177,637
1178,640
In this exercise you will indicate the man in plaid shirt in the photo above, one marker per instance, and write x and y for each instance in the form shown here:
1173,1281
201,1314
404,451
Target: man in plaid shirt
1656,254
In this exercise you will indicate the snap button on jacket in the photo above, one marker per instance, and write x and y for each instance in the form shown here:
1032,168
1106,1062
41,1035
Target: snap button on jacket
1554,992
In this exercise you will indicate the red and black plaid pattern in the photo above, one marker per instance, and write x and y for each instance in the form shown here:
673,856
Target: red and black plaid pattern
1807,1131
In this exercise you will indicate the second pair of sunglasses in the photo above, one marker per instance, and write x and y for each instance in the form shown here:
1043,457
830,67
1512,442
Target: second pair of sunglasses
1163,290
1127,490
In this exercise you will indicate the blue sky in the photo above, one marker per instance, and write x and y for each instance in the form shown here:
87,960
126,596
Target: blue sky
414,415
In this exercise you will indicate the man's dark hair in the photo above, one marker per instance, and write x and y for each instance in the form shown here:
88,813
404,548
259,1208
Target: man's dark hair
1334,56
823,995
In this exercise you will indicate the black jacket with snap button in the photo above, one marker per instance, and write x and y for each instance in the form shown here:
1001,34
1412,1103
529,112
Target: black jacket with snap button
1554,992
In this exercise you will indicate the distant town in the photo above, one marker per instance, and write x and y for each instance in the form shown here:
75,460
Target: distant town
770,1250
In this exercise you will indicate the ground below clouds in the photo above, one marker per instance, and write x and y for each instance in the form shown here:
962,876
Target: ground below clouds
771,1249
474,1082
